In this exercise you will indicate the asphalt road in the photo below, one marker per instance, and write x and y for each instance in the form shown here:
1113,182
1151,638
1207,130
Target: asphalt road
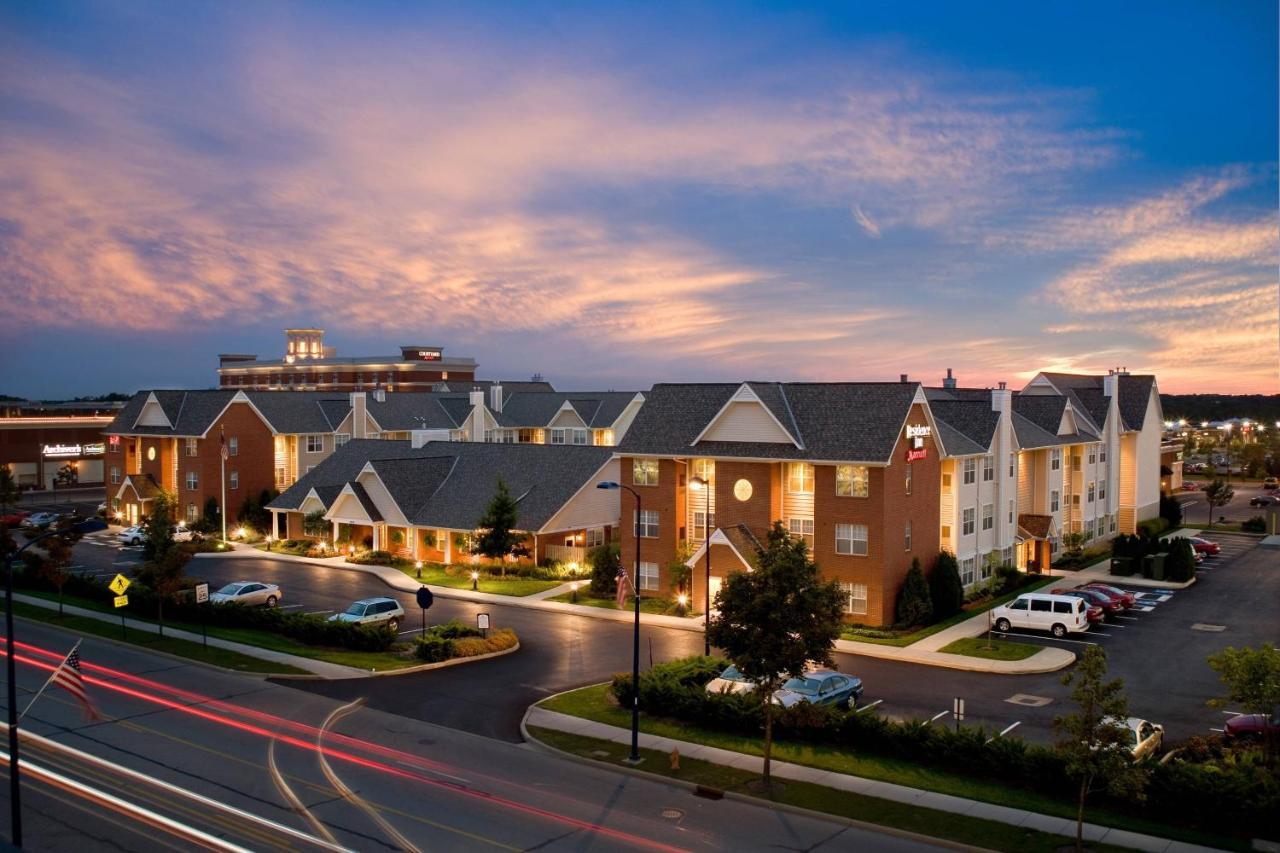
1195,510
208,732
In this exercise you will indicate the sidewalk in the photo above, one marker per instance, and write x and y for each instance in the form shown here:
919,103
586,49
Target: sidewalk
1048,659
536,716
323,669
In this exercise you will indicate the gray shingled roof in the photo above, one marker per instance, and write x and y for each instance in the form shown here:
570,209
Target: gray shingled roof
1031,436
837,421
193,412
966,426
410,410
362,495
598,409
337,469
1044,410
1135,391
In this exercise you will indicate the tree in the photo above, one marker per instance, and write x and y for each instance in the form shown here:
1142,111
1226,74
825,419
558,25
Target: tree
1170,510
1073,545
1180,565
166,577
605,560
775,620
1216,494
315,525
157,527
946,592
68,475
1094,741
1252,678
254,513
497,538
914,605
210,520
9,492
679,572
58,555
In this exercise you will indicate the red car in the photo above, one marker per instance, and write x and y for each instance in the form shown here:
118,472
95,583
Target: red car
1190,486
1096,611
1204,546
1127,599
1252,726
13,519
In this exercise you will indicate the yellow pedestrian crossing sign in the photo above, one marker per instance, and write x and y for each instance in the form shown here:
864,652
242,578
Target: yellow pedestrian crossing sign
118,585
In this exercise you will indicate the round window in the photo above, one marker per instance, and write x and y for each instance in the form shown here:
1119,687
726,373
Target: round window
742,490
151,454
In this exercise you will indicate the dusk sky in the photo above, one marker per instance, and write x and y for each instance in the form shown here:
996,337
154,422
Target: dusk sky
620,195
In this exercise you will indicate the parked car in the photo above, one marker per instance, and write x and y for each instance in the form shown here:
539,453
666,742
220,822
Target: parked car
102,509
185,534
372,611
132,535
1126,597
248,593
1252,726
1058,614
1204,546
14,519
1271,483
1100,606
820,687
730,681
1190,486
1145,738
40,520
1264,500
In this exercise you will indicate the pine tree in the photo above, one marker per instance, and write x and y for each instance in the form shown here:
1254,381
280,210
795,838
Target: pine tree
945,589
497,538
914,604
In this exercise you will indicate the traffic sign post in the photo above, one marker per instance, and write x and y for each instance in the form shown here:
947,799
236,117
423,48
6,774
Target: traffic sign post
482,622
202,597
118,585
121,583
957,711
425,600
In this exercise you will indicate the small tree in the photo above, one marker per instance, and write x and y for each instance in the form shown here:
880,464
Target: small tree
1170,510
1180,565
68,475
1217,493
211,519
254,513
1073,545
605,560
678,569
1094,742
9,491
315,525
914,605
1252,678
497,537
157,527
166,577
776,619
58,555
946,592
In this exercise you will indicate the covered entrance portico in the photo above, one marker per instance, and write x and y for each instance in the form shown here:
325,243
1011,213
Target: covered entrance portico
354,508
733,549
132,498
1035,542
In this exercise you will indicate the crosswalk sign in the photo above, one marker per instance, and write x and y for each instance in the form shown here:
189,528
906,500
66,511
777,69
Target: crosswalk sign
119,584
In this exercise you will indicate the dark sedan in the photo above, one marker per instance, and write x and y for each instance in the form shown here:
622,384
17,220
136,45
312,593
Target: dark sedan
1100,606
1126,597
1252,726
821,687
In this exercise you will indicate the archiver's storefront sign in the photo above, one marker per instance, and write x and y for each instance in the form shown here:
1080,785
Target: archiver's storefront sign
72,451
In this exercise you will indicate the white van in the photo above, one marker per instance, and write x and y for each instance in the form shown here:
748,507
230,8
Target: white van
1058,614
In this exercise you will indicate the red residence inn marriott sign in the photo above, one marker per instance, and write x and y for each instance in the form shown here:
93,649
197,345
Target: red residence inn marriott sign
916,436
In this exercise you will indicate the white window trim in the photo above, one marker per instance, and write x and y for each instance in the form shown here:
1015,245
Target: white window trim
851,548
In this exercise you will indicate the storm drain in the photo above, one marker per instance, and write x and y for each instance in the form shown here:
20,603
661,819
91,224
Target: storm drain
1028,701
1213,629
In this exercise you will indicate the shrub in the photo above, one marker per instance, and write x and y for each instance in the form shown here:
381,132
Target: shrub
454,639
379,558
604,561
1008,578
1152,527
1257,524
1180,565
945,589
1170,510
914,604
433,648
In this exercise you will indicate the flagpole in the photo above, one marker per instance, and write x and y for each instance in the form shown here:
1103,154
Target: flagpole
222,461
49,680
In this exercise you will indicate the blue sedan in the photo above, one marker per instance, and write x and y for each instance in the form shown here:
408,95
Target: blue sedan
821,687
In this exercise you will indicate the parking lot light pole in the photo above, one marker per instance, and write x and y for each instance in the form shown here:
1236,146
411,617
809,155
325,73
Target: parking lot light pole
634,758
705,486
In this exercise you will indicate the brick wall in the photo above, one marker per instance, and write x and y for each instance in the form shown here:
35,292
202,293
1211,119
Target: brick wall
760,510
254,461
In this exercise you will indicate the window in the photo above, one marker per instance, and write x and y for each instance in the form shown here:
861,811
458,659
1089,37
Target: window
375,435
1102,490
966,570
648,575
1055,460
1020,604
909,477
115,475
557,436
580,436
1075,462
1040,605
595,537
1090,530
341,438
233,479
799,478
1053,501
946,531
851,539
1092,492
113,444
1093,455
853,481
988,469
906,536
946,480
970,471
1011,512
193,513
984,566
1013,462
315,444
193,446
988,516
700,524
1112,525
1006,556
855,598
233,446
647,526
644,472
1075,500
802,528
966,526
1102,453
193,481
1061,607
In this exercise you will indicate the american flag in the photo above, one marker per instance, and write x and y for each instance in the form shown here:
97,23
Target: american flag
624,581
69,677
222,443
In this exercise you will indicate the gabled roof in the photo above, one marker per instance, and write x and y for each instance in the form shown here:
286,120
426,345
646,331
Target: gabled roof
837,421
1030,436
536,409
192,413
966,425
1045,411
1035,526
738,537
366,502
409,410
1133,390
339,468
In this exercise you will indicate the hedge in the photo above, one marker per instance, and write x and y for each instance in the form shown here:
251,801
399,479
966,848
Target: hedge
455,639
1235,796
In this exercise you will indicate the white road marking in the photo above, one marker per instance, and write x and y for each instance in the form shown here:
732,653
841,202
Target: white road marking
869,706
936,716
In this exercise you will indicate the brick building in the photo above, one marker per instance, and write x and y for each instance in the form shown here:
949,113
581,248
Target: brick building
41,441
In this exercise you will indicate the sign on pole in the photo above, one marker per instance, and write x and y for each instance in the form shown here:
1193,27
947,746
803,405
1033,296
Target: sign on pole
425,600
118,585
202,593
957,710
482,622
122,601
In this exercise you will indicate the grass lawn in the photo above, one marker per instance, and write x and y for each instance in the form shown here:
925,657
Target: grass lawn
902,640
658,606
595,703
460,578
936,824
182,648
975,647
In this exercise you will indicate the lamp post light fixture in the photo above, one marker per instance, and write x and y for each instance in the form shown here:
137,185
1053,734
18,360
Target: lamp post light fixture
573,592
681,601
475,581
634,758
700,484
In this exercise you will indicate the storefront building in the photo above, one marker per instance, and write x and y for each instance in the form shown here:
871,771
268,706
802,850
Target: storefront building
45,450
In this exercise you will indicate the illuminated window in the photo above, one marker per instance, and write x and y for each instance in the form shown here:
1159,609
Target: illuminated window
855,598
853,481
802,528
1092,491
906,535
799,478
909,478
648,575
644,472
193,513
192,446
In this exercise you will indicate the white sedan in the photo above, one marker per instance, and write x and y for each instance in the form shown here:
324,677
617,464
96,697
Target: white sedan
248,593
132,535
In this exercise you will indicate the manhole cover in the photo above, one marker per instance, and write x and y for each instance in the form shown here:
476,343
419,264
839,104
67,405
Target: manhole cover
1028,700
672,814
1200,626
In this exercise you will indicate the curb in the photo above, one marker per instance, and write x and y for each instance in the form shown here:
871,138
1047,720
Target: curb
408,670
741,798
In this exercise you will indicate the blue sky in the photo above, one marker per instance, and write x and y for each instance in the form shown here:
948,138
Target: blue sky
615,195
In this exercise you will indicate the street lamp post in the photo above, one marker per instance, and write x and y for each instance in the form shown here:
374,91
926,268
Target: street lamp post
705,486
634,758
15,805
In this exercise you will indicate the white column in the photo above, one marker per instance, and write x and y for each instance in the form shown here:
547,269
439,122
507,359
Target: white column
448,547
377,539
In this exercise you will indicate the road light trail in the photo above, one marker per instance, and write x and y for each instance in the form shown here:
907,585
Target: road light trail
285,791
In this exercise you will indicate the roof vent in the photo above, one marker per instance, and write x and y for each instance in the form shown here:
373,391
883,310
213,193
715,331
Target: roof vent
1003,385
949,381
380,394
902,377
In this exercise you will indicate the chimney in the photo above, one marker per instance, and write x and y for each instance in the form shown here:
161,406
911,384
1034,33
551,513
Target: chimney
1003,385
380,395
949,381
495,397
902,377
1109,384
1002,399
476,397
358,415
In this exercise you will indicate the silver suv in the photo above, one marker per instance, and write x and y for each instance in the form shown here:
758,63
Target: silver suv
372,611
